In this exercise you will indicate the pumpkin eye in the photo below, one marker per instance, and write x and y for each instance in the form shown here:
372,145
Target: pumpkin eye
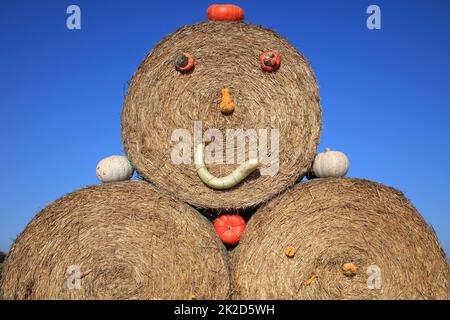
270,61
184,62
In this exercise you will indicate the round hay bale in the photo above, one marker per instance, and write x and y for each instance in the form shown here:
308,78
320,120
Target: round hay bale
354,239
121,241
2,258
161,100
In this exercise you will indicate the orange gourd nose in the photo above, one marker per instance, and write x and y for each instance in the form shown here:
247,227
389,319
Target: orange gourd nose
226,104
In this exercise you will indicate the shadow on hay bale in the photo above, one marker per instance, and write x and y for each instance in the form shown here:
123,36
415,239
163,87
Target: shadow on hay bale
370,231
125,240
161,100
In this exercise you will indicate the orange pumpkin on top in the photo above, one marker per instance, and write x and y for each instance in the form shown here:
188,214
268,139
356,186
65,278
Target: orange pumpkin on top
225,12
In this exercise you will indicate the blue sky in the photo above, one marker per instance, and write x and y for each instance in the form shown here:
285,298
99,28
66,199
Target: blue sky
385,93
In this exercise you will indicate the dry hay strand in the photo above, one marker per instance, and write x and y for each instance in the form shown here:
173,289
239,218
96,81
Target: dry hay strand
333,222
129,242
227,54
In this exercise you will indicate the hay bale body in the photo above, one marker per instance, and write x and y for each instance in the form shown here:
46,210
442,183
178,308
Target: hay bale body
333,222
2,258
160,100
129,241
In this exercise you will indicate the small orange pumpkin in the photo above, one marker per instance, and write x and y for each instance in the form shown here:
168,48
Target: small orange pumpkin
230,228
184,62
270,61
225,12
290,252
349,269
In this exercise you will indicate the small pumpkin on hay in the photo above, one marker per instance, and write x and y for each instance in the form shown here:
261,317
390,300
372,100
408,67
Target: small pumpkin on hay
331,164
114,169
230,228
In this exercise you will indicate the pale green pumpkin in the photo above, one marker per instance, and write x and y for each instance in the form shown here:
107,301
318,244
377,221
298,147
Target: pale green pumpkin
114,168
331,164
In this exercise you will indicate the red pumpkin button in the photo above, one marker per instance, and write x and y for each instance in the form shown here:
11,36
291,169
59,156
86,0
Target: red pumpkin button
230,228
270,61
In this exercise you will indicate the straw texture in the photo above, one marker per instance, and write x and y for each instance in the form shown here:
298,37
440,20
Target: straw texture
160,100
130,242
331,222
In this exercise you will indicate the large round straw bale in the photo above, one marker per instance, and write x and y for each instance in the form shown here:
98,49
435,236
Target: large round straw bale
161,100
123,241
2,258
336,223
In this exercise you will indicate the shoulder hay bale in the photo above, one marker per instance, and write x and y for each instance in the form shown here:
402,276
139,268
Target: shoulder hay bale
129,242
160,100
335,226
2,258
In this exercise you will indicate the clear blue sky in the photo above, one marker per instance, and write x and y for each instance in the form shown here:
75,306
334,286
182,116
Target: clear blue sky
385,94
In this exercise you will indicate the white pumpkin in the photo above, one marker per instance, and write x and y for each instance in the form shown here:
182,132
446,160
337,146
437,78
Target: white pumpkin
114,168
331,164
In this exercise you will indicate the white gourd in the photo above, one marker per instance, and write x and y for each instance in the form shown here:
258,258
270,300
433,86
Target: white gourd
114,168
331,164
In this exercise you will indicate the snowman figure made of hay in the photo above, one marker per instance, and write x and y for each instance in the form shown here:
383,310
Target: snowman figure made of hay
226,115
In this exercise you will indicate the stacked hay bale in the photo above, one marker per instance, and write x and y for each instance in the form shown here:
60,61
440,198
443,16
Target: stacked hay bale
339,239
117,241
227,54
2,258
